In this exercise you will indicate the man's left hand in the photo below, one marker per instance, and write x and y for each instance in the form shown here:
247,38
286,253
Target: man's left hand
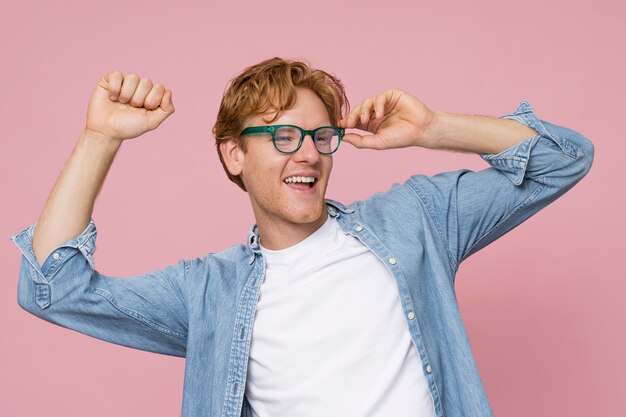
395,118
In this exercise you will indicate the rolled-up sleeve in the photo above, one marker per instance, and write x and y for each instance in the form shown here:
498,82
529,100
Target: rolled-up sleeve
146,311
514,162
472,209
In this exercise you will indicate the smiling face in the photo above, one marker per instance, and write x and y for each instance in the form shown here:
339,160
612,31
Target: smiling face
286,212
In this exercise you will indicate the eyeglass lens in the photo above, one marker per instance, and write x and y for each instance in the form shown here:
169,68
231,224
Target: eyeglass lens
287,138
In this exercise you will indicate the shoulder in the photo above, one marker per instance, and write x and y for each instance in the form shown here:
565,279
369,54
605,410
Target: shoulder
217,263
398,198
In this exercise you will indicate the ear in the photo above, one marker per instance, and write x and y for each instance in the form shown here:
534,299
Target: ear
233,156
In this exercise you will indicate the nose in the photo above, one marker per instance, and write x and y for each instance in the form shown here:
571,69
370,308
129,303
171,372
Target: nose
308,151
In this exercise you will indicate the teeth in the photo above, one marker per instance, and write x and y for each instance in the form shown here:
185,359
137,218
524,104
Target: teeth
300,179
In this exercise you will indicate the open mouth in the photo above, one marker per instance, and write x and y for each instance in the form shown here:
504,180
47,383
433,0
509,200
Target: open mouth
301,182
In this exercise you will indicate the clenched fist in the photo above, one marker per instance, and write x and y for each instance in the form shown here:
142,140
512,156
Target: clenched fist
126,106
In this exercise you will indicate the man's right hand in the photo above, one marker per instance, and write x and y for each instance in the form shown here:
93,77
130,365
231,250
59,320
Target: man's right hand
126,106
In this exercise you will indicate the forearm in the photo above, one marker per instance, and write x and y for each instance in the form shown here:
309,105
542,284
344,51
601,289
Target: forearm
477,134
70,204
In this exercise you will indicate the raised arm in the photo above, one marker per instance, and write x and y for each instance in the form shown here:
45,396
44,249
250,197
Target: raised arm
121,107
533,163
58,281
399,120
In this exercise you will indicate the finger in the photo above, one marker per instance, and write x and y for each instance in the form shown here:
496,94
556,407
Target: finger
366,111
129,85
358,116
154,98
379,104
167,104
351,118
361,116
351,138
165,109
364,141
113,84
138,98
344,121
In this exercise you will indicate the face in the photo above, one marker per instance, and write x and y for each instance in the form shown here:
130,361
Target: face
266,173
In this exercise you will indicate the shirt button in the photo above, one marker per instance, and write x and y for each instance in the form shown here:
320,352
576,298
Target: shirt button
55,255
429,369
411,315
392,261
358,228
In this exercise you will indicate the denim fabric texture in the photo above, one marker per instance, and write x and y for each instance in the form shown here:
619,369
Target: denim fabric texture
203,308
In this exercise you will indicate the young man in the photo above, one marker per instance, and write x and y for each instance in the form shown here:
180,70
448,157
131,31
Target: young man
327,310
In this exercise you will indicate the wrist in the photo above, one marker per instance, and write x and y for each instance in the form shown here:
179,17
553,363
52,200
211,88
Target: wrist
100,140
432,134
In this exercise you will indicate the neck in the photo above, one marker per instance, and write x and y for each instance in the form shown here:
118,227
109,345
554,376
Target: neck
275,235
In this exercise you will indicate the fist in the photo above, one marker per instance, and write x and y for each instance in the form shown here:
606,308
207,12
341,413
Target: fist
126,106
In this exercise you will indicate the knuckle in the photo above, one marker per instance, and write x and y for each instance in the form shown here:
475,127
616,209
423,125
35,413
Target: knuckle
153,101
132,77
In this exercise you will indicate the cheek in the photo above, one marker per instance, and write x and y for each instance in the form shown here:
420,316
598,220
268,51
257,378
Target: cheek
264,175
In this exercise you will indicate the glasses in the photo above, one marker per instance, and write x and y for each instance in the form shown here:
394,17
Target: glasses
288,138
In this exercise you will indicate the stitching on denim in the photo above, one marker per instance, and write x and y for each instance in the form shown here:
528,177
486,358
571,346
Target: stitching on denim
65,261
418,191
83,242
567,147
37,275
233,349
531,197
249,329
186,269
141,319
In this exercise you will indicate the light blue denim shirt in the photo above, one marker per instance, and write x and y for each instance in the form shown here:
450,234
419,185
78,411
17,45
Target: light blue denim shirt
203,308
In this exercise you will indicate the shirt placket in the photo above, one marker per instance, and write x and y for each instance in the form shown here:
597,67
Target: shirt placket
366,237
242,337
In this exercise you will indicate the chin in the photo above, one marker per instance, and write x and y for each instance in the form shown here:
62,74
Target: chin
310,216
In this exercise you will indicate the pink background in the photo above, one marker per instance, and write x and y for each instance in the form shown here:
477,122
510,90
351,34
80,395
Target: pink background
544,306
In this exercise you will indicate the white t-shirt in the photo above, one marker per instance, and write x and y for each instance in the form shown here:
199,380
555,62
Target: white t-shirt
330,337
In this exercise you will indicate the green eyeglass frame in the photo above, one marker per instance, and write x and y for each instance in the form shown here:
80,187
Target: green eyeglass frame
303,133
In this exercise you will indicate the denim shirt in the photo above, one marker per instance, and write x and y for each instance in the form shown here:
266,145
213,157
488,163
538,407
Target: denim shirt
203,308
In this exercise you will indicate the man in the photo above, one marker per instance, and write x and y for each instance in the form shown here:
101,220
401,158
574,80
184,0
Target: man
328,310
